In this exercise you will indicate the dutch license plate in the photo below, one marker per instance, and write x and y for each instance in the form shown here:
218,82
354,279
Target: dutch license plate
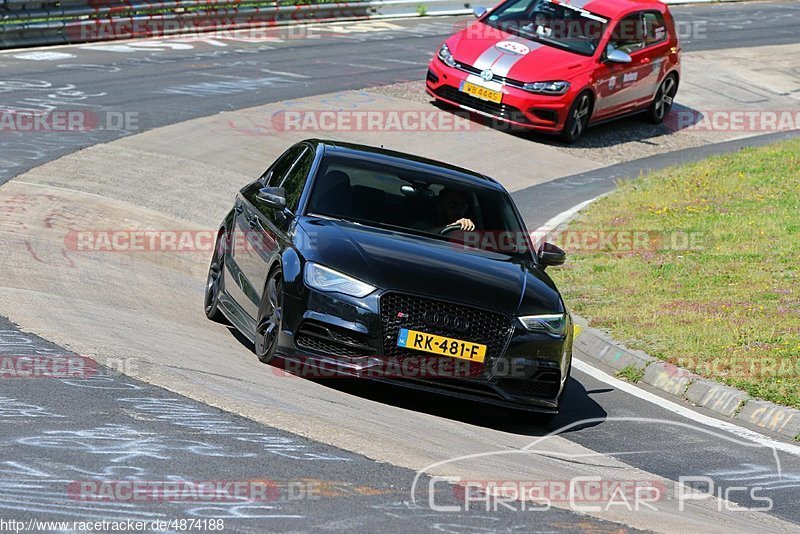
481,92
443,346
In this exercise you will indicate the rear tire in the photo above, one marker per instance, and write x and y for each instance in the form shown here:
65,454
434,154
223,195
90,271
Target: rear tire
662,103
577,118
215,279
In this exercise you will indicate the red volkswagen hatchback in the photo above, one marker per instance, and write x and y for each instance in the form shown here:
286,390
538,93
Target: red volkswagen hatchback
558,66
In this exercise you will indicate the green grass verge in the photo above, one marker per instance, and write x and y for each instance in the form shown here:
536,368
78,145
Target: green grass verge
700,267
631,373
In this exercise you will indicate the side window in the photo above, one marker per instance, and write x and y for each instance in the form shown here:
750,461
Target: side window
515,9
296,178
655,31
273,176
628,36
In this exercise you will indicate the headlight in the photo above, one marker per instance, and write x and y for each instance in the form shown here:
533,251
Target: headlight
547,88
445,55
553,324
325,279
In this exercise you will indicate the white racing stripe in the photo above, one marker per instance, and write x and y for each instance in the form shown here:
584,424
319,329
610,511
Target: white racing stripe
631,389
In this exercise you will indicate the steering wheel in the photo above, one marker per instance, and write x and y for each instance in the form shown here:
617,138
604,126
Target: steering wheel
449,228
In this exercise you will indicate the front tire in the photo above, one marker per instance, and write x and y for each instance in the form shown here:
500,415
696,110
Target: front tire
662,103
578,118
270,317
214,281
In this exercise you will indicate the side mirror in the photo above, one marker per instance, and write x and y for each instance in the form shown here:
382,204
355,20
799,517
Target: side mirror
479,11
272,197
617,56
551,255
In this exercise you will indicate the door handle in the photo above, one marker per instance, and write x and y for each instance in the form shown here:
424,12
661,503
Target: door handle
237,209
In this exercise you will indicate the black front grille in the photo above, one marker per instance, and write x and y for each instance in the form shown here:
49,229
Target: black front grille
431,77
332,341
406,311
492,108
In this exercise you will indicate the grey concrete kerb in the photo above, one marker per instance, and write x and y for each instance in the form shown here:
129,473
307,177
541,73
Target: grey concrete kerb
593,345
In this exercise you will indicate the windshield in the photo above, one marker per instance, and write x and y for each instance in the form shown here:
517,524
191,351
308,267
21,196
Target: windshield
560,25
395,198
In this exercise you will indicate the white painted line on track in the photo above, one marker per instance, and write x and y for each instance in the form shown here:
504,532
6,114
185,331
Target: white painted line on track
283,73
564,216
684,411
364,66
405,62
44,56
631,389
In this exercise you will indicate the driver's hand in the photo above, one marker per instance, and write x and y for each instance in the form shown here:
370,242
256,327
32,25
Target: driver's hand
466,224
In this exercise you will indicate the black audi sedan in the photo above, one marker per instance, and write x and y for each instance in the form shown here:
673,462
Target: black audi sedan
382,265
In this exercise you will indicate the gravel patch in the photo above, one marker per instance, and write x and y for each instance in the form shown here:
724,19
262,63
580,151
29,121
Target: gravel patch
413,91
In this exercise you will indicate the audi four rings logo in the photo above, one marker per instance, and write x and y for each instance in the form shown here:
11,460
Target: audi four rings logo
445,320
487,75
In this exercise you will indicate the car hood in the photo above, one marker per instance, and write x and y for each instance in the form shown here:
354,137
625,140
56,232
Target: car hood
483,46
438,269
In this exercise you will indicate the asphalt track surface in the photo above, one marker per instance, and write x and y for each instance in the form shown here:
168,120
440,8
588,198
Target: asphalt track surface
109,427
49,441
181,79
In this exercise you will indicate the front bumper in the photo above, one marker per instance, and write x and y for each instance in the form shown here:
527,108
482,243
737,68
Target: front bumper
518,109
332,335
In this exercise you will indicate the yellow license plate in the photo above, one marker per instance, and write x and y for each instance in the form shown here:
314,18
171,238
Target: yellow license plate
481,92
444,346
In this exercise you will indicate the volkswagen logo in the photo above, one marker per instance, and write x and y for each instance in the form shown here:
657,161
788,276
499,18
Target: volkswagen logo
487,75
447,321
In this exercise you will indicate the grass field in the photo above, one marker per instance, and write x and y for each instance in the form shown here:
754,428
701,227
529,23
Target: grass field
699,266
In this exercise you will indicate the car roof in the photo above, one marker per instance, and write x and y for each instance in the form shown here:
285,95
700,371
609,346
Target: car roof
353,150
617,8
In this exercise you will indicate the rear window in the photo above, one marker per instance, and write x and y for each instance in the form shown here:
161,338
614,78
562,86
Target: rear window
655,31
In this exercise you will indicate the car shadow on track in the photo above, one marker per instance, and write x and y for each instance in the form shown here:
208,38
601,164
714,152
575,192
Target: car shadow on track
627,129
579,404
